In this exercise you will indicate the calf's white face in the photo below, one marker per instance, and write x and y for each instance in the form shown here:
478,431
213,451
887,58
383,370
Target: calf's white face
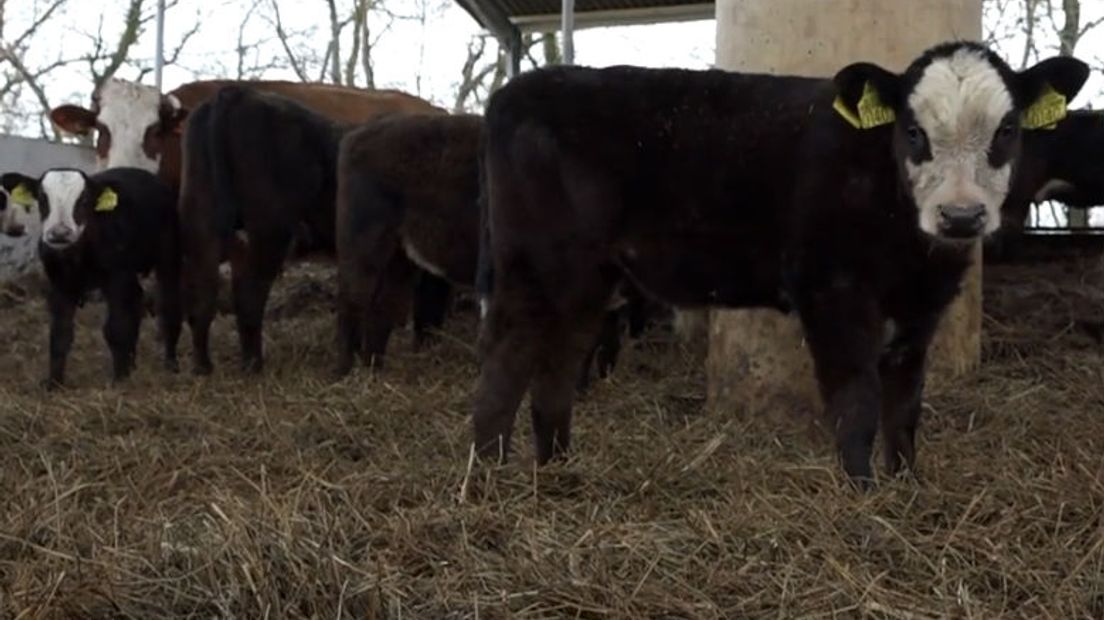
18,213
60,191
956,116
960,142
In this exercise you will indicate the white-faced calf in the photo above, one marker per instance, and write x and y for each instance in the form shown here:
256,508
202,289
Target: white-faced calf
18,212
853,201
102,232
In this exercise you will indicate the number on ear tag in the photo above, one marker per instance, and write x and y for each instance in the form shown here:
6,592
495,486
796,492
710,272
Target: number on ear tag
870,111
1047,110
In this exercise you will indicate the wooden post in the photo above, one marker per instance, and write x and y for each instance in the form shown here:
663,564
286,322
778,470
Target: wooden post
757,361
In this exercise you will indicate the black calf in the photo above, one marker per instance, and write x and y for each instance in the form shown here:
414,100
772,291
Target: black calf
103,232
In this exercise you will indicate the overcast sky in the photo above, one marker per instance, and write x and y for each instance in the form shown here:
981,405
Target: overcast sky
408,51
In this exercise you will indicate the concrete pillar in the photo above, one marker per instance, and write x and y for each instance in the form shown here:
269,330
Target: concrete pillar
757,361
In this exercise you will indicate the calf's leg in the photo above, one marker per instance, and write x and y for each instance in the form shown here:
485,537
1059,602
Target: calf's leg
508,358
902,372
844,330
363,262
252,282
201,284
124,316
62,307
606,349
389,307
563,351
431,299
169,312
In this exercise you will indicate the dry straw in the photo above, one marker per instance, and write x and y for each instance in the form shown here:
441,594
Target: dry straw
290,496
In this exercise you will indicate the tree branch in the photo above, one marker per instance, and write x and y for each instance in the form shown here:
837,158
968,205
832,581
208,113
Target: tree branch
282,36
131,30
18,43
335,44
31,82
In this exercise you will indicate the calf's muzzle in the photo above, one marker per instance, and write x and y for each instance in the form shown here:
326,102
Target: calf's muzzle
962,221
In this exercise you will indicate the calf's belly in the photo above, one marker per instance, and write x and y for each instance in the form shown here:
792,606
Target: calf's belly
706,272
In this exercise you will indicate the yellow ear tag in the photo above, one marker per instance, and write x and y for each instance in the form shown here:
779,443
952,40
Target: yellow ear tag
871,111
1047,110
22,196
107,201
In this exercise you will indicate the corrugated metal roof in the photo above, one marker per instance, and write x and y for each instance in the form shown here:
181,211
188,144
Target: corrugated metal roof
517,8
496,15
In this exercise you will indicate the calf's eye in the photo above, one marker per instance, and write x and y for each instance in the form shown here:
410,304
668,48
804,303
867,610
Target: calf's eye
915,135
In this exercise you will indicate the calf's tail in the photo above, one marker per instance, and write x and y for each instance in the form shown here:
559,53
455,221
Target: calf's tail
226,208
484,270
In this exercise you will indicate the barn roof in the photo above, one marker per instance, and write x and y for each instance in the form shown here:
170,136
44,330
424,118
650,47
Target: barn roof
544,15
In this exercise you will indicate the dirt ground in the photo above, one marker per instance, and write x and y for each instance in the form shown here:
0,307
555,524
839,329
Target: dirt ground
290,496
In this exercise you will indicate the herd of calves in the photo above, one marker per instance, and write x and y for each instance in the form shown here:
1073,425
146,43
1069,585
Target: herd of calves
852,201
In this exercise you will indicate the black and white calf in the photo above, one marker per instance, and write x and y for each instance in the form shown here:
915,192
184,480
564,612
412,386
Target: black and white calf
851,201
102,232
18,212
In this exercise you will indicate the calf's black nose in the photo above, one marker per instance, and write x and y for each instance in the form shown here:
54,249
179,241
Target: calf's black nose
962,221
58,234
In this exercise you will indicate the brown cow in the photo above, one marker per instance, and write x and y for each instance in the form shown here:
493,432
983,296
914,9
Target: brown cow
408,194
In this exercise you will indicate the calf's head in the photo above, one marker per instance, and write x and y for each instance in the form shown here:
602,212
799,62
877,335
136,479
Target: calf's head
67,200
957,114
18,208
131,122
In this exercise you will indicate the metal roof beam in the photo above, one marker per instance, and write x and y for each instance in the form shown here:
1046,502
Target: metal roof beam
492,17
615,17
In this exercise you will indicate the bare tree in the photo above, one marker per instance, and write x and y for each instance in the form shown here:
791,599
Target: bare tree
334,51
13,55
284,37
479,78
353,19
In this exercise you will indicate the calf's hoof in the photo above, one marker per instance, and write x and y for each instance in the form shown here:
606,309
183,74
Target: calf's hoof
425,340
172,365
52,384
339,373
862,484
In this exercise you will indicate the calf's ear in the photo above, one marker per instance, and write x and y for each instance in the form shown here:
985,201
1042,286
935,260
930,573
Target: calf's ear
866,95
1045,90
73,119
20,188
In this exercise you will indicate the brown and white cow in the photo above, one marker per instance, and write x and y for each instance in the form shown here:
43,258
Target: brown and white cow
138,126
